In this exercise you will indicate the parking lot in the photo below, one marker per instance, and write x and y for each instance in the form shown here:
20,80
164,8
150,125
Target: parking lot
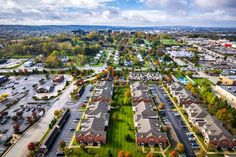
72,123
22,112
173,117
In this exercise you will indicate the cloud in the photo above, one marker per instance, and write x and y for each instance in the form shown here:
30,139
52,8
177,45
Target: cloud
173,6
110,12
215,4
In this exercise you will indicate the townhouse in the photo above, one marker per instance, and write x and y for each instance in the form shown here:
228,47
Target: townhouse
139,76
211,129
147,122
93,126
184,98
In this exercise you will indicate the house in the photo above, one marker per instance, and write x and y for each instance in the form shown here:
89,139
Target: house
128,63
139,76
146,119
96,118
29,63
149,133
184,98
92,132
58,78
228,79
103,91
64,59
46,88
212,130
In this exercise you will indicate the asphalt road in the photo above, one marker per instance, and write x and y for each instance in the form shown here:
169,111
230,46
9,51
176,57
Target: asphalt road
180,132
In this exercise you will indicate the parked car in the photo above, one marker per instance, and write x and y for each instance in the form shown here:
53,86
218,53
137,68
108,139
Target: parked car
190,134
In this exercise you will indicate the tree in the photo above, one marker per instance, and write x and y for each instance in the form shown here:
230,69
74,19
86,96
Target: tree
34,115
126,100
31,146
109,153
150,154
180,147
224,115
128,154
115,116
5,95
82,59
62,144
201,153
53,61
173,153
121,153
128,93
16,128
128,138
161,105
30,120
57,113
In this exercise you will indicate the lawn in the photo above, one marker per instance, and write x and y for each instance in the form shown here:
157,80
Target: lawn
178,74
200,80
117,130
116,135
169,42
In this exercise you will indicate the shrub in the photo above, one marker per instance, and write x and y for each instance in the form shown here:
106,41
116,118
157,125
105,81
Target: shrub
128,138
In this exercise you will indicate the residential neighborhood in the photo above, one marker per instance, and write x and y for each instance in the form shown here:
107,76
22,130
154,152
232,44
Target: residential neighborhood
117,91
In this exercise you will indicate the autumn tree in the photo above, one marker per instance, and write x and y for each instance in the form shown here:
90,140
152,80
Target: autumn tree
121,153
161,105
173,153
128,154
53,61
31,146
62,144
201,153
16,128
224,115
57,113
180,147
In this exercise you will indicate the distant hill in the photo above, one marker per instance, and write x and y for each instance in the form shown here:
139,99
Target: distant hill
69,28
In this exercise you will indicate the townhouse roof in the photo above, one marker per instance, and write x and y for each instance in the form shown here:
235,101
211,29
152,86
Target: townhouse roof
96,108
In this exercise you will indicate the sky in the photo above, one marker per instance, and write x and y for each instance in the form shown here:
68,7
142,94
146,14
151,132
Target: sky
214,13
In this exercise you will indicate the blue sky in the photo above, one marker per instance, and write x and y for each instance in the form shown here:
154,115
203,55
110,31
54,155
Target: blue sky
119,12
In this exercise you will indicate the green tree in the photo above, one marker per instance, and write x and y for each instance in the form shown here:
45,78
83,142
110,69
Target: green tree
53,60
